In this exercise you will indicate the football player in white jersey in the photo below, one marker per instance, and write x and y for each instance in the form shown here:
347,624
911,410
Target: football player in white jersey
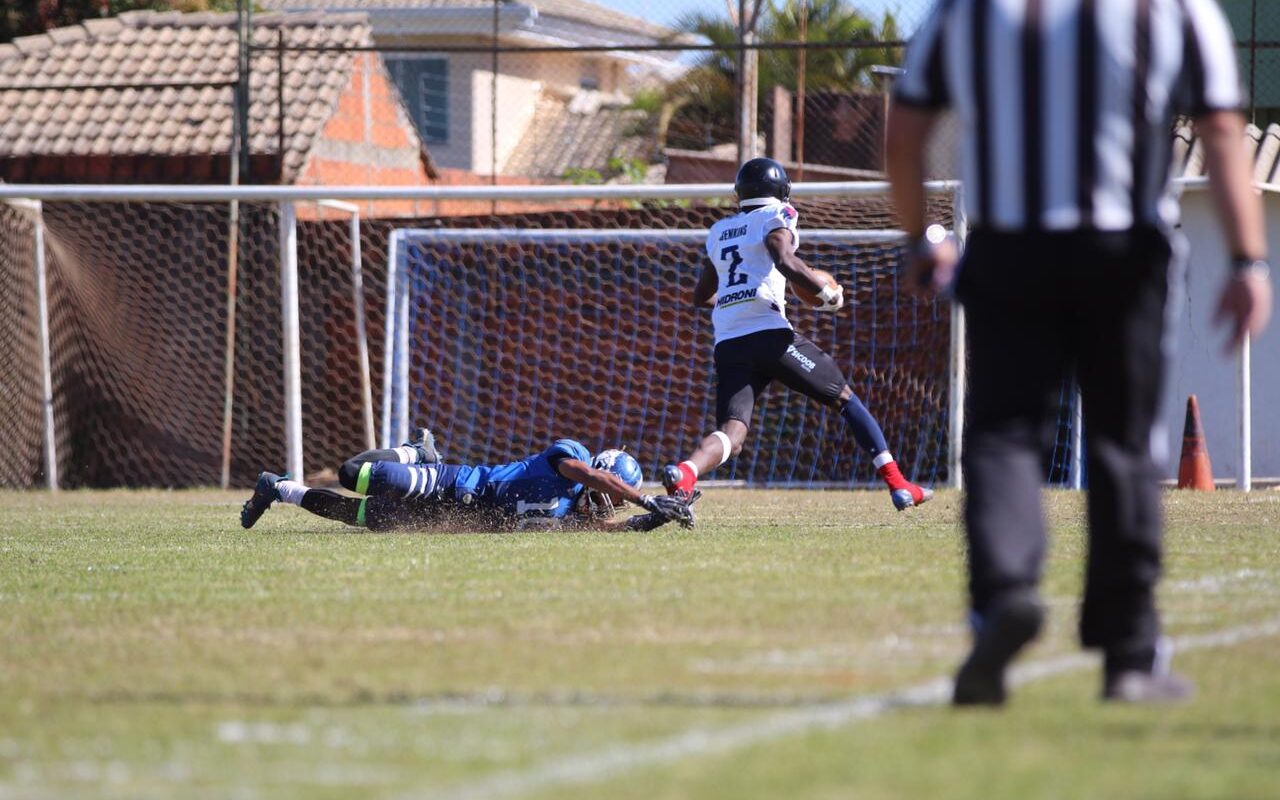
752,256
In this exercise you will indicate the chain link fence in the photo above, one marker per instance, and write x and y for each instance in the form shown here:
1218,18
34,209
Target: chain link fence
1257,27
625,91
596,91
675,90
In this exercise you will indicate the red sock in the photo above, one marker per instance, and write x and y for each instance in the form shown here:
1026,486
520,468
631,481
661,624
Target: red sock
688,477
892,476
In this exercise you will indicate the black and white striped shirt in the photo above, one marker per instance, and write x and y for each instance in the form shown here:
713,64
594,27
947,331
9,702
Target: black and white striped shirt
1066,106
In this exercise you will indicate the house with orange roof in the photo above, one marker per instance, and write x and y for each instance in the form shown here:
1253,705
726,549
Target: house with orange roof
148,97
535,115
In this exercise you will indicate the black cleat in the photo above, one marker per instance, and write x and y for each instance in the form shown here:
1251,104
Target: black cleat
1009,627
264,494
425,444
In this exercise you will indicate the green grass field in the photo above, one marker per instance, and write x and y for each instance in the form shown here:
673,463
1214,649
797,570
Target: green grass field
151,648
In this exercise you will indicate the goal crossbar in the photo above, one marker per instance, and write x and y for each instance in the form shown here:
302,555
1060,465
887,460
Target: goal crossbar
626,235
286,194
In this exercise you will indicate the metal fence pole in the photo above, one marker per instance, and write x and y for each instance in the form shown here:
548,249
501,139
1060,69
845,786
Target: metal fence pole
280,112
244,35
292,344
751,96
493,107
1253,62
742,82
802,79
233,267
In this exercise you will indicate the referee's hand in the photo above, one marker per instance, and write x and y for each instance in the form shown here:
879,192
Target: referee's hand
1245,305
931,268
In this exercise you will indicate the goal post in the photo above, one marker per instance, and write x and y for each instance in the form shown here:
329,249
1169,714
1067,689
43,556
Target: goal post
33,212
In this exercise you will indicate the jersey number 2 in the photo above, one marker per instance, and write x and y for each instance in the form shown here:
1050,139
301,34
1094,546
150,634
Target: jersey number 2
731,255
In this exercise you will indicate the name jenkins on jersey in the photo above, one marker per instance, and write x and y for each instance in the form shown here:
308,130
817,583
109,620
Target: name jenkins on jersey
751,292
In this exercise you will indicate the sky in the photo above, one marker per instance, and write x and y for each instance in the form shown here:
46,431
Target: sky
667,11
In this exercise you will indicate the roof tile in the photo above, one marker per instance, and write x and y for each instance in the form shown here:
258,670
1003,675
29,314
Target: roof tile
137,48
562,138
32,44
68,35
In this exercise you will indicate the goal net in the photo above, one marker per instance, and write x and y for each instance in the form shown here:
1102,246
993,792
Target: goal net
505,337
512,323
137,326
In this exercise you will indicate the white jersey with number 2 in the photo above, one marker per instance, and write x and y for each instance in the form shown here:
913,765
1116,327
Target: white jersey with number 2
751,292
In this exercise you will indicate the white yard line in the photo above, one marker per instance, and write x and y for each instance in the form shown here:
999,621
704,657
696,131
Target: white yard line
615,760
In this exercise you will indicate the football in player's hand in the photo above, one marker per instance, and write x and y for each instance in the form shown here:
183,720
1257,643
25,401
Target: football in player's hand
809,298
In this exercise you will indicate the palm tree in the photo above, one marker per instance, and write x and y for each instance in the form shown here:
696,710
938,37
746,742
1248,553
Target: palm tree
699,107
827,68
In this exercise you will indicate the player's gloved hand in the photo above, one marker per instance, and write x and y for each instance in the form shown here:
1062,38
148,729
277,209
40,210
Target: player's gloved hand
673,509
832,299
645,522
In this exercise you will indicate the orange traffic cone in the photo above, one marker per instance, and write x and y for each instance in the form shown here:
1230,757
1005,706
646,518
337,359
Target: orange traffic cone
1194,471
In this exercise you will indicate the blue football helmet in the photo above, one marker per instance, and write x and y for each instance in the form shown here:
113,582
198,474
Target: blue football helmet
620,463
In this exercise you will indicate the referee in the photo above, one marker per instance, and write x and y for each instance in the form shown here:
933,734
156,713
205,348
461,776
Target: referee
1067,111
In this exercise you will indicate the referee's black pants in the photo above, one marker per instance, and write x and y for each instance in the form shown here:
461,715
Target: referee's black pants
1039,305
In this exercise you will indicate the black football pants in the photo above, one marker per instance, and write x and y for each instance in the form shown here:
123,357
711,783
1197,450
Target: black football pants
1037,307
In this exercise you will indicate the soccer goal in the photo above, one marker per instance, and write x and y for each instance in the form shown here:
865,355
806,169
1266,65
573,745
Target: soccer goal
167,335
506,337
505,332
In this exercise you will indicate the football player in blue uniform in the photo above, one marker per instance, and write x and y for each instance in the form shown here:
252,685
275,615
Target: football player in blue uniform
409,487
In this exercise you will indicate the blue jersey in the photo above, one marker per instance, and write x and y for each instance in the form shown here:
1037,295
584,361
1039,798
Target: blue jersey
528,488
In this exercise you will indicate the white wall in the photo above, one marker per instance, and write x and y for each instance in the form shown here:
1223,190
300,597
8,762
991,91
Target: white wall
521,78
1202,369
517,100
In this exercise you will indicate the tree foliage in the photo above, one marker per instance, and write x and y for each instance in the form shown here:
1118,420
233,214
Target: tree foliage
701,103
28,17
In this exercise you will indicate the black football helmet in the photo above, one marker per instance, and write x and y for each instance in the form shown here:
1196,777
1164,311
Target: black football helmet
762,178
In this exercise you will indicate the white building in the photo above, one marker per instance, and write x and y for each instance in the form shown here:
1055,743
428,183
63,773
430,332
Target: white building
579,98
